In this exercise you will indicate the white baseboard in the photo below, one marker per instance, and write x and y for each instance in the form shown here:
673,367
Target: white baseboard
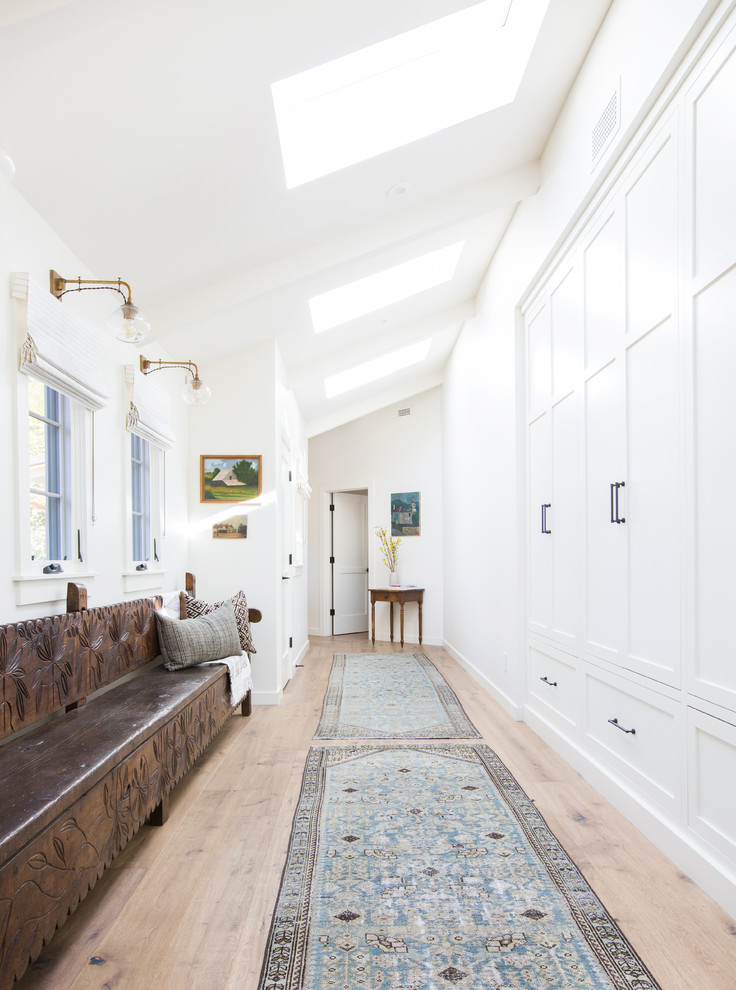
267,697
515,710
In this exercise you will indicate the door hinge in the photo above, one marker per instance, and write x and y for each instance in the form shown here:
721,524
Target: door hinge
332,507
291,561
332,560
289,475
332,611
291,642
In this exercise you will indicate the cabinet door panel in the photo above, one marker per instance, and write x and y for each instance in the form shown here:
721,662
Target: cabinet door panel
605,589
565,333
651,243
604,293
653,516
712,810
714,162
540,361
564,519
715,488
540,544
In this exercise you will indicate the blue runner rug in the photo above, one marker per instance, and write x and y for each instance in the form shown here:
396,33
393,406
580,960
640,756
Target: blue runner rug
423,867
390,696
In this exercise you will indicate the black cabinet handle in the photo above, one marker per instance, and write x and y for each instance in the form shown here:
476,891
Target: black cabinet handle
614,721
615,518
548,681
545,506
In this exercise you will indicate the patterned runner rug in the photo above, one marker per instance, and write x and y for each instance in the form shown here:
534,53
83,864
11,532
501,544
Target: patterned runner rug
390,696
424,867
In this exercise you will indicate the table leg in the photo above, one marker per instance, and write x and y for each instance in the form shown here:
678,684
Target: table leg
420,621
373,622
402,623
391,619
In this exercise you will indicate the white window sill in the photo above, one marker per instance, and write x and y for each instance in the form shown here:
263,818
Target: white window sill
36,589
139,581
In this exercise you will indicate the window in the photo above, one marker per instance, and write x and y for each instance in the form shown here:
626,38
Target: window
140,497
49,461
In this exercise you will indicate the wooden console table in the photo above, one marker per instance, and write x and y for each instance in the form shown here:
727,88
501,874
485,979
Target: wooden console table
392,595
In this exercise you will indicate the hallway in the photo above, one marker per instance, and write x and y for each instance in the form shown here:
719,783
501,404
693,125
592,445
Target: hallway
189,905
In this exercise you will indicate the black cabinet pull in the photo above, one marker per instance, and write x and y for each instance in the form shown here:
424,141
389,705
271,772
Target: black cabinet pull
614,721
548,681
545,506
615,518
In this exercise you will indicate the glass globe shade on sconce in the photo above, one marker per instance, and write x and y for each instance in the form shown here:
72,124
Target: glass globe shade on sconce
7,168
195,392
128,323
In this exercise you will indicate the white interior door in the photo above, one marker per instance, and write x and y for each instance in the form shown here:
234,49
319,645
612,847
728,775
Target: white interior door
349,563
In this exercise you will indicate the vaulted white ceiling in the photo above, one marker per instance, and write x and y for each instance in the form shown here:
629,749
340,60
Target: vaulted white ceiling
144,132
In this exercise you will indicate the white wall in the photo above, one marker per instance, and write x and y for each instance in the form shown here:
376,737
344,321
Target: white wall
484,388
385,453
248,414
28,244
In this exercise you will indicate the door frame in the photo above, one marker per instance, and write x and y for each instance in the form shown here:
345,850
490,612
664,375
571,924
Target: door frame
325,573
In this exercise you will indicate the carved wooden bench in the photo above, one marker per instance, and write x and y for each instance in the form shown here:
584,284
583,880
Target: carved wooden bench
77,786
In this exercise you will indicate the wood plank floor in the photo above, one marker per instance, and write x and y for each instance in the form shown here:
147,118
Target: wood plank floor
189,905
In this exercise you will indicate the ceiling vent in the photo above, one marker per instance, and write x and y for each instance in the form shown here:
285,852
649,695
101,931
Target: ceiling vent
405,412
607,125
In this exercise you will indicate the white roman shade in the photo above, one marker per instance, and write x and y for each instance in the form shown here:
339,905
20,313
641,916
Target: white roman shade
57,347
148,409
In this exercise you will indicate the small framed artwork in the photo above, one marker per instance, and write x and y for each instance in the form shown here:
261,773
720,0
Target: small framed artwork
223,478
234,528
405,514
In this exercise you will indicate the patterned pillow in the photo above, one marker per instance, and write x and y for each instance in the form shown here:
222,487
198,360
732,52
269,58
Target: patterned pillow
197,607
210,637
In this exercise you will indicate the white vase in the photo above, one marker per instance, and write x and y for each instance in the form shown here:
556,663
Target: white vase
393,580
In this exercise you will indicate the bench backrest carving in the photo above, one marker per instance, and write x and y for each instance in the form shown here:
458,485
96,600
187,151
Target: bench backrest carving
47,665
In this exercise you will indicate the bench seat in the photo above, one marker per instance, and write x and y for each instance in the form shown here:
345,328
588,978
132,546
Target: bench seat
95,733
52,766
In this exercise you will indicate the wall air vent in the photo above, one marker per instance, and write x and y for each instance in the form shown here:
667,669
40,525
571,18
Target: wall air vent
607,125
405,412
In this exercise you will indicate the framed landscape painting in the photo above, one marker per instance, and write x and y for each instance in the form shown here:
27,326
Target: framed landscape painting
224,478
405,515
234,528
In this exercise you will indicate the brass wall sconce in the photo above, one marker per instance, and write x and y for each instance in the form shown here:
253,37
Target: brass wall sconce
127,322
195,392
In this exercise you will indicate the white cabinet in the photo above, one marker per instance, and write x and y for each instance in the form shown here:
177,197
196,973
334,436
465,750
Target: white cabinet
636,731
631,422
553,688
712,796
553,517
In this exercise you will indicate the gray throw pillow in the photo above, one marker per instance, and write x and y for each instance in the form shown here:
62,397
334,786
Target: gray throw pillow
187,642
195,607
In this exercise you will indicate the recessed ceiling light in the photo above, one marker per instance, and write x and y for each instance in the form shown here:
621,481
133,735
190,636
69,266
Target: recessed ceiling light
384,288
405,88
381,367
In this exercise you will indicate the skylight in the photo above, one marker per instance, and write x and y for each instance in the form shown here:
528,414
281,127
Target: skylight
384,288
380,367
404,88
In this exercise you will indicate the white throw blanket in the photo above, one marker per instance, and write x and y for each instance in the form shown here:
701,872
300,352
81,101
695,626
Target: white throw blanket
241,681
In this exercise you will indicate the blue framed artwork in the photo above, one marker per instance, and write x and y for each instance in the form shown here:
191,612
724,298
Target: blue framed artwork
405,514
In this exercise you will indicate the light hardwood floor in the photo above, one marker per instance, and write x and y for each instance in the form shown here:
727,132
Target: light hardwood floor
189,905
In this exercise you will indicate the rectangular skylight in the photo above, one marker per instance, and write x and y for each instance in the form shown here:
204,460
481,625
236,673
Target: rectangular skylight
405,88
380,367
384,288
